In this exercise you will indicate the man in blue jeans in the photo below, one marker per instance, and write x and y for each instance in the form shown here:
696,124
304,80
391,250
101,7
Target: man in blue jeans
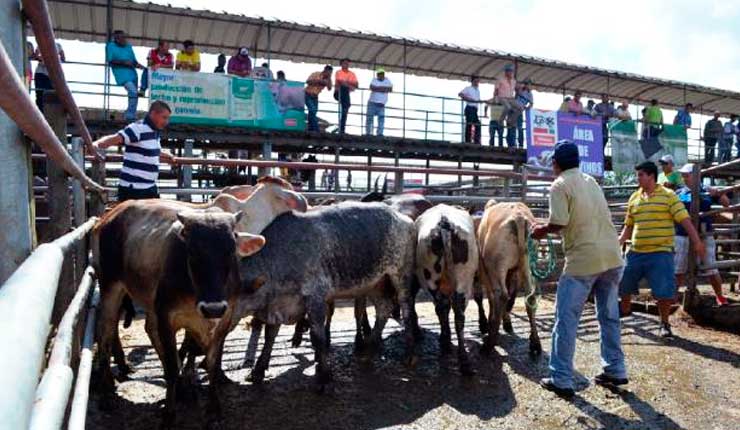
120,57
580,214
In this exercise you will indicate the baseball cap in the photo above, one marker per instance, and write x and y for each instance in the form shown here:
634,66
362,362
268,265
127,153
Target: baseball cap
380,70
243,51
666,159
509,67
687,168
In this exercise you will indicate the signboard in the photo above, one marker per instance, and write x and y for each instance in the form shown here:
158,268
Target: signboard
548,127
628,150
215,99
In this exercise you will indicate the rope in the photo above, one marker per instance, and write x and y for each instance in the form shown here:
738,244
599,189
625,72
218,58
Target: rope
532,249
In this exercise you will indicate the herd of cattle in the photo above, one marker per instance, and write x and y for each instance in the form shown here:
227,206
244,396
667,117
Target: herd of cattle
263,252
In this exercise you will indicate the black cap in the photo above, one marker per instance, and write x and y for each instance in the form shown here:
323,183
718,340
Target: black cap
566,154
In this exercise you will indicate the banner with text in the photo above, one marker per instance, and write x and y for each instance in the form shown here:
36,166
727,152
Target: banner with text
628,150
215,99
548,127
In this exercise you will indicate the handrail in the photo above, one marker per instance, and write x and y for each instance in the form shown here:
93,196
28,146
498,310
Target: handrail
78,411
26,301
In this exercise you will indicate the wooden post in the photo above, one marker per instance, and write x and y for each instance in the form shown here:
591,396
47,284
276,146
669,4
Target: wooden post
78,205
60,210
459,166
335,172
97,173
398,181
524,184
692,293
507,187
266,155
426,175
369,174
187,171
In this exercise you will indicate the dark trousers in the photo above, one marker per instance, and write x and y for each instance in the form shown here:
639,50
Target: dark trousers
520,130
312,105
344,105
493,128
144,80
472,125
42,83
131,193
709,146
725,149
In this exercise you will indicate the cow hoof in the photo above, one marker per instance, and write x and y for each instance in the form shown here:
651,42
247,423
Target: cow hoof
483,328
535,347
488,344
508,328
418,333
246,364
221,377
257,376
295,342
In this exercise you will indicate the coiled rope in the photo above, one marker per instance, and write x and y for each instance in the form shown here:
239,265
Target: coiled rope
533,251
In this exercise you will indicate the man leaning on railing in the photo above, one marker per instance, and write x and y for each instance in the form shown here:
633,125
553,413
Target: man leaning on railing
120,56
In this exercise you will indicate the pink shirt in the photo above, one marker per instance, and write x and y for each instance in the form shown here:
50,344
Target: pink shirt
575,107
505,87
240,66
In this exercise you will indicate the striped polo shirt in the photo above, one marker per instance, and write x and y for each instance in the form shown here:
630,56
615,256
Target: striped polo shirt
653,218
141,155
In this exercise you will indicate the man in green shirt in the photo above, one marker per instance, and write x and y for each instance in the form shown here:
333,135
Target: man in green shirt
669,178
653,120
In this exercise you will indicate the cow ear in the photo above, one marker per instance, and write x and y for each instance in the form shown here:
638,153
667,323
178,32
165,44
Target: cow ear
294,200
248,244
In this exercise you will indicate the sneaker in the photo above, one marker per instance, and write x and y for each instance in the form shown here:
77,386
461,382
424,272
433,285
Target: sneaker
142,93
547,384
665,330
604,379
722,301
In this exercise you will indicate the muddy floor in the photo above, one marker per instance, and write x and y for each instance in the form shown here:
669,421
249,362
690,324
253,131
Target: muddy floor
689,382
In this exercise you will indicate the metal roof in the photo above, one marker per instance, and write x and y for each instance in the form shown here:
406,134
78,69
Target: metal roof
215,32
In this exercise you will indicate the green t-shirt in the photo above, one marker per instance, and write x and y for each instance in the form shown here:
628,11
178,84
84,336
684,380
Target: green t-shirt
674,178
653,115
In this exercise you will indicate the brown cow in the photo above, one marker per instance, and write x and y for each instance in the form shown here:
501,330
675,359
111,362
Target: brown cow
504,268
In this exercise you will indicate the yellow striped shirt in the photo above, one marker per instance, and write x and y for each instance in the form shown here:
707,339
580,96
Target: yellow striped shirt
653,218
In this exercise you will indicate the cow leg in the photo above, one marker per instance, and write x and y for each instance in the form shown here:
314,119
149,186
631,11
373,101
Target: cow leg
535,346
442,308
414,288
171,363
214,353
327,325
258,373
107,327
508,327
360,320
124,370
316,308
300,328
482,319
255,327
497,302
383,311
459,303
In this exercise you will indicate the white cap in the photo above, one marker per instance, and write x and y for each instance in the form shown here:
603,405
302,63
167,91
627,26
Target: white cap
668,158
244,51
687,168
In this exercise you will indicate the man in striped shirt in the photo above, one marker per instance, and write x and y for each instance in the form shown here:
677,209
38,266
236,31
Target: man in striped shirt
141,154
651,213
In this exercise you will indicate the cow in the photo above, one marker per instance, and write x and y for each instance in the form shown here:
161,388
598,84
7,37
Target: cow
312,258
504,268
179,265
446,264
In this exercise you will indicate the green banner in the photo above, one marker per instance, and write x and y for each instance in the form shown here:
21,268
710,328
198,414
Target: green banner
629,150
215,99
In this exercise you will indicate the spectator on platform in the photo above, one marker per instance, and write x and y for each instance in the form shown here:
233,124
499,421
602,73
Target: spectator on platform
189,58
669,177
623,112
120,56
652,211
263,72
574,105
494,126
281,75
525,98
712,134
707,196
142,153
606,111
240,64
683,116
41,79
315,83
728,137
653,121
221,65
564,105
471,96
379,87
158,58
505,94
589,109
345,82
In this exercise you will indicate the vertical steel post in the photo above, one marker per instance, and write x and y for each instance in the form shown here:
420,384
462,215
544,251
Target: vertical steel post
404,89
187,171
369,173
266,155
78,205
524,184
16,195
692,294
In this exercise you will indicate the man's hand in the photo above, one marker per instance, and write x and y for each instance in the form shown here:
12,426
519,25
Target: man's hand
167,158
539,231
700,249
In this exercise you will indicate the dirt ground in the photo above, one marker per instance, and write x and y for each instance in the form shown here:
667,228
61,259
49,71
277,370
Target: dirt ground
689,382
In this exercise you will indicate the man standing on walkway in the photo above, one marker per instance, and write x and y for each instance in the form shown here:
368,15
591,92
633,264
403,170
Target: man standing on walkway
653,121
471,96
580,214
712,135
683,116
505,94
379,87
707,197
120,56
525,98
669,177
606,111
316,83
652,211
345,82
41,80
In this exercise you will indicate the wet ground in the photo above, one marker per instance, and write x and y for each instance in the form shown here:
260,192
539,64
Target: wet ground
689,382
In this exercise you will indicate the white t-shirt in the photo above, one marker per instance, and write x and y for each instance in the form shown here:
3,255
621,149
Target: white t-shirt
377,96
41,68
471,92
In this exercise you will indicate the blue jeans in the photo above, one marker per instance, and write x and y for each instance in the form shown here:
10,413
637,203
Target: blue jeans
657,267
144,80
725,149
374,109
571,296
133,100
520,130
312,105
493,128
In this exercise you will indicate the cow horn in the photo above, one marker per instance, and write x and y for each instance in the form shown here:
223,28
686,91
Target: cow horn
385,184
38,13
375,188
17,104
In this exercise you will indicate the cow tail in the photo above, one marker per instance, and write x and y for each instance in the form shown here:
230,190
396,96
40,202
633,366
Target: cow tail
445,230
525,273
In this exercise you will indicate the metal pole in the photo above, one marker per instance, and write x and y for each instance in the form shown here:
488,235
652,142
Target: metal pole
78,204
17,236
404,89
109,33
78,412
266,155
369,173
689,298
524,185
443,119
187,171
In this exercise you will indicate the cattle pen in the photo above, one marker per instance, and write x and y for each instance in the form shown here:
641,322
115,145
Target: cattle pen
54,192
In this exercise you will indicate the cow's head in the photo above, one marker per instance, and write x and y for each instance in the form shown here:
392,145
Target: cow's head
270,198
376,195
212,247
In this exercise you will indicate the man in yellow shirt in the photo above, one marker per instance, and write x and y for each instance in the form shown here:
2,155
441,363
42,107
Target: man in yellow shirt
580,214
651,213
189,58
